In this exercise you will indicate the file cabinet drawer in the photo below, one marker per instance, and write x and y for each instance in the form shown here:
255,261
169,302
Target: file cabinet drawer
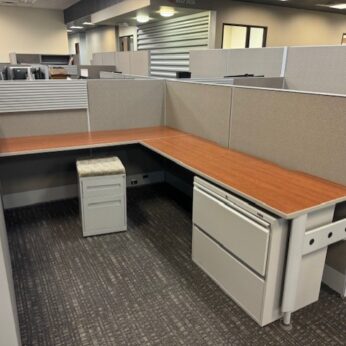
103,186
104,215
240,283
241,235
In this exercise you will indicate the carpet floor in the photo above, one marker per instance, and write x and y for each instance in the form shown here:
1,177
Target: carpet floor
139,287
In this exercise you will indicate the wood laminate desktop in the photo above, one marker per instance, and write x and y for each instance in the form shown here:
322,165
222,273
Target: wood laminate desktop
284,192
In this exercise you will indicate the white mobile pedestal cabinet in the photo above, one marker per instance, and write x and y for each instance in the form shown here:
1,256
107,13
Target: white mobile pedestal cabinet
102,192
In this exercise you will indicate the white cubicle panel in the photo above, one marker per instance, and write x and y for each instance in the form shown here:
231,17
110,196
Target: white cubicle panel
125,104
321,69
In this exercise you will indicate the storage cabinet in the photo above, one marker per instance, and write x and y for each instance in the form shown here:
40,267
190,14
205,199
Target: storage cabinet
102,197
241,248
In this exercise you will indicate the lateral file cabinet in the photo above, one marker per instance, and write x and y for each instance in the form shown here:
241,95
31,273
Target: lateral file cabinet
243,249
102,191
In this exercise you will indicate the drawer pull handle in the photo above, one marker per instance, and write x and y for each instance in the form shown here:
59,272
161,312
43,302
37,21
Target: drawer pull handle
106,186
104,204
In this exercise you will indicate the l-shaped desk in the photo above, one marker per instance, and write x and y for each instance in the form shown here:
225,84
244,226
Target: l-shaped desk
291,195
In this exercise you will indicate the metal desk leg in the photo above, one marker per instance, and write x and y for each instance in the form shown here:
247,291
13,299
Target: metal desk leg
294,259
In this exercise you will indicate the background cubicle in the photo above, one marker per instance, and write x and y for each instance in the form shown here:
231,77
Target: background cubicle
135,63
319,69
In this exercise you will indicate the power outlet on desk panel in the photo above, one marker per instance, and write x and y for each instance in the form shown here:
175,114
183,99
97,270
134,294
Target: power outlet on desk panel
134,182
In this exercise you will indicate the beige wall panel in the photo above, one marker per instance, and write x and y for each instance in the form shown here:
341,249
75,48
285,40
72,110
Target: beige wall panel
124,104
257,61
305,132
286,26
42,123
208,63
200,109
31,30
321,69
139,63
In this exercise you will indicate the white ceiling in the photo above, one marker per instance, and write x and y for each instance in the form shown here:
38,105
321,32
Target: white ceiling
50,4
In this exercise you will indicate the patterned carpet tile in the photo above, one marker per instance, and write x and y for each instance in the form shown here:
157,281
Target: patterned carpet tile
139,287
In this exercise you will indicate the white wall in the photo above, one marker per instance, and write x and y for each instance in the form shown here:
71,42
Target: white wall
97,40
286,26
29,30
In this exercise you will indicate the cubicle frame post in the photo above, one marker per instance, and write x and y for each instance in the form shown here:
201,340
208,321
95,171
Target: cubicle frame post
293,264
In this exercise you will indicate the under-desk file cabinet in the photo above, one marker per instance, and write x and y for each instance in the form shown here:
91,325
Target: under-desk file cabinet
231,242
243,249
102,192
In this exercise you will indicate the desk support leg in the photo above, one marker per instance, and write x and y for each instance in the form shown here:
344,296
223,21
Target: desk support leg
294,259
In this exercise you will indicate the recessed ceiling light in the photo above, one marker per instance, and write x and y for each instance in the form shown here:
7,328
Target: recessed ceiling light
338,6
142,18
76,27
166,11
68,30
88,23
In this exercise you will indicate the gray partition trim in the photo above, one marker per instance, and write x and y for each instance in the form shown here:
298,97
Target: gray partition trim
125,104
42,123
200,109
321,69
299,131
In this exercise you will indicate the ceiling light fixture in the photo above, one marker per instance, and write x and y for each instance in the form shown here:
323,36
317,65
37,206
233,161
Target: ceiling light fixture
69,30
142,18
166,11
338,6
76,27
88,23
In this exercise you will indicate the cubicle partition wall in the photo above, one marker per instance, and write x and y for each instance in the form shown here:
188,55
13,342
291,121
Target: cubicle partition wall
200,109
125,104
42,107
136,63
267,62
321,69
300,131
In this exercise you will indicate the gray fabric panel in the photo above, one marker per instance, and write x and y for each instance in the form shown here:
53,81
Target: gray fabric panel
200,109
299,131
139,63
125,104
42,123
257,61
274,82
320,69
123,62
208,63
